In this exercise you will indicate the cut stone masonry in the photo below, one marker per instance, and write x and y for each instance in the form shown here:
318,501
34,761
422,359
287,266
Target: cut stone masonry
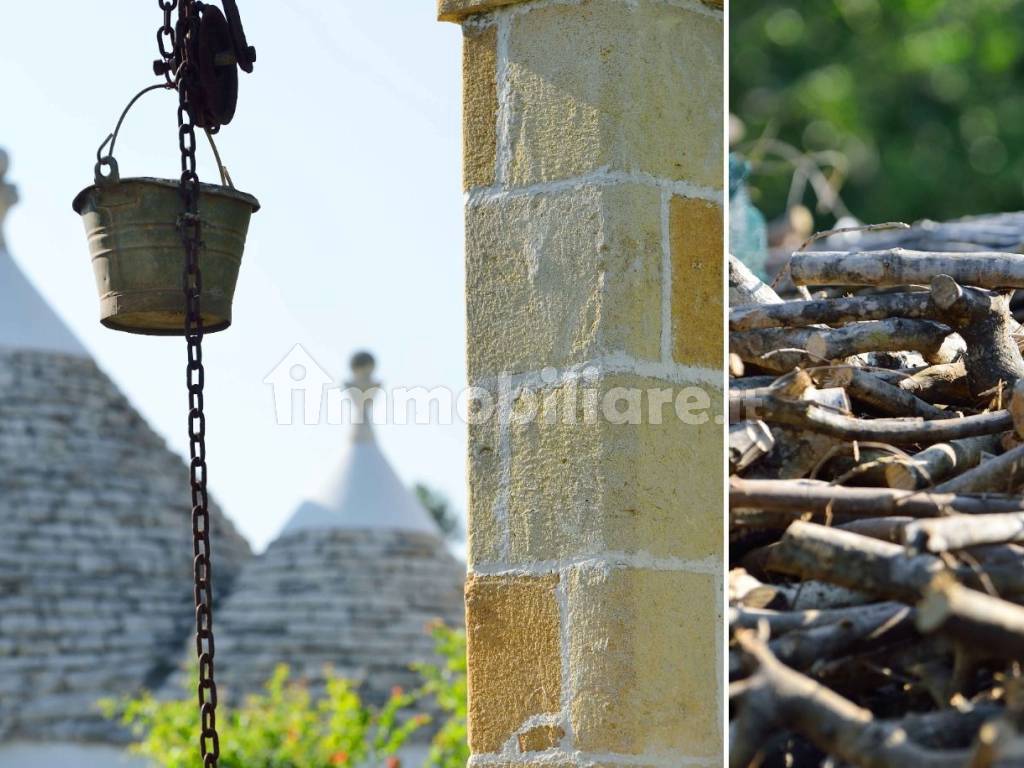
593,171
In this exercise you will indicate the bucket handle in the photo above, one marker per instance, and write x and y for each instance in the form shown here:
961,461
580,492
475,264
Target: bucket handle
107,160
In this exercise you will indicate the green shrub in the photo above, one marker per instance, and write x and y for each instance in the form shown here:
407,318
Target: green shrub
446,686
286,727
283,727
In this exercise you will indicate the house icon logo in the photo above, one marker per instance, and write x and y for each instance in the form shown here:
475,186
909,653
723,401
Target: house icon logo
298,374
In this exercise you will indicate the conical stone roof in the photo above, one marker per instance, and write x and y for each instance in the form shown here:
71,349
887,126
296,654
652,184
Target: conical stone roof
362,492
95,539
26,320
351,583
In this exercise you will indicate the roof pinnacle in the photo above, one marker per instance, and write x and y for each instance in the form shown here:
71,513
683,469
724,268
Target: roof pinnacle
363,389
8,193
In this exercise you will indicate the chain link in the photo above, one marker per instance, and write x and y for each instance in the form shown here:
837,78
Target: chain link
183,72
166,40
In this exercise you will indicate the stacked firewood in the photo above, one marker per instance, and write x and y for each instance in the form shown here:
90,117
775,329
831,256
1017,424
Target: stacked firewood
876,583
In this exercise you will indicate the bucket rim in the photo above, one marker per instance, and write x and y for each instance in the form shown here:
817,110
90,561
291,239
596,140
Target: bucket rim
216,190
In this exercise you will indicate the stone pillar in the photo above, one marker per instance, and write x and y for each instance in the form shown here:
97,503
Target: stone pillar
594,167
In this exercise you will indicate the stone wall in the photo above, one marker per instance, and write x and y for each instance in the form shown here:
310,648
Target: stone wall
95,549
594,168
356,601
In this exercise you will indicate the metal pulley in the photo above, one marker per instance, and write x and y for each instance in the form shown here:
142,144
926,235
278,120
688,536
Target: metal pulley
219,51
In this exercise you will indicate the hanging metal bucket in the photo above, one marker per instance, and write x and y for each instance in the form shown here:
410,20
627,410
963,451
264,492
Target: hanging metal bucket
138,257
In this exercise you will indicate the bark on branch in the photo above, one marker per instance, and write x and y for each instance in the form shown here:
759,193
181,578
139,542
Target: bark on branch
782,349
808,415
748,442
885,398
805,596
983,321
1003,474
746,288
841,311
990,627
939,462
801,496
898,267
816,551
778,696
861,628
946,383
947,534
780,623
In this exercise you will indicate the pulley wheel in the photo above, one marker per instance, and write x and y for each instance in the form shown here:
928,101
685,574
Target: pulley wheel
218,73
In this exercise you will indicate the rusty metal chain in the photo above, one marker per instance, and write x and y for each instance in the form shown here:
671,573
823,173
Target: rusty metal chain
180,66
166,41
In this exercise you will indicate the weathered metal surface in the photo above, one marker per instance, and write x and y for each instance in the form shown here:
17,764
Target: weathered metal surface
218,46
214,94
245,53
136,249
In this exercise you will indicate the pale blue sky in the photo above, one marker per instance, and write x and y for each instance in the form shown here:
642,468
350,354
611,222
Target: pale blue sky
348,133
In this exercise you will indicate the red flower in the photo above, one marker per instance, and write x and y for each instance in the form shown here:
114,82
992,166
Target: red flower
339,758
394,762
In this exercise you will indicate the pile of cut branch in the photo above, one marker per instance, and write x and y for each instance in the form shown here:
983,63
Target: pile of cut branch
876,579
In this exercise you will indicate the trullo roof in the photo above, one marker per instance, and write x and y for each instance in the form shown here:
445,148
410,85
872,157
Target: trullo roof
362,491
26,320
351,583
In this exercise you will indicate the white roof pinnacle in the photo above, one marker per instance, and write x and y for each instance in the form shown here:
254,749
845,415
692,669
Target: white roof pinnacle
26,320
363,491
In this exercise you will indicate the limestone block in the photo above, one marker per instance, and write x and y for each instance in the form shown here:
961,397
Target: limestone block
602,84
486,530
556,279
541,737
513,643
588,488
457,10
696,233
643,662
479,105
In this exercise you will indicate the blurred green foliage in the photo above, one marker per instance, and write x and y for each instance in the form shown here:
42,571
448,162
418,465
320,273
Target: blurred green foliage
445,686
924,98
286,727
440,508
283,727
